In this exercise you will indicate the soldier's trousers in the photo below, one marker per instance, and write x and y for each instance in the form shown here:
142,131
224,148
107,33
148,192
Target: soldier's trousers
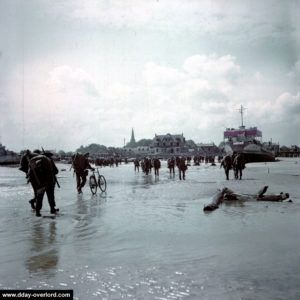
183,174
50,195
81,180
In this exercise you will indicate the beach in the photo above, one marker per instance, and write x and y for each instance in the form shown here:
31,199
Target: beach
147,236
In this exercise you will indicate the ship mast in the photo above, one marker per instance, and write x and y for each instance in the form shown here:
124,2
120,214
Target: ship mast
241,110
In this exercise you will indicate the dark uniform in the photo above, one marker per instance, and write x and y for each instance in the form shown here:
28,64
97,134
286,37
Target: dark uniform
182,167
136,165
24,166
80,168
157,165
44,181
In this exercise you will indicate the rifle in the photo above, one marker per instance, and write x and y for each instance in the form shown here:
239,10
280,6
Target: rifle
56,181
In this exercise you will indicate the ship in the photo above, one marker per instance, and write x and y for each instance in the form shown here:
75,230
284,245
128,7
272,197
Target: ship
8,157
248,141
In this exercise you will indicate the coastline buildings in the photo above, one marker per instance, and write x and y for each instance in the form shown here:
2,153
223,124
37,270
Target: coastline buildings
162,145
209,149
168,144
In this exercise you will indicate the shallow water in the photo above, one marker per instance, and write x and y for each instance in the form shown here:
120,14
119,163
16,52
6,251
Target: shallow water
147,237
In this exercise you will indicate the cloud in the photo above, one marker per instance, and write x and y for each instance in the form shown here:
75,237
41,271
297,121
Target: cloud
294,74
289,105
212,67
169,99
154,74
69,106
64,79
274,18
201,78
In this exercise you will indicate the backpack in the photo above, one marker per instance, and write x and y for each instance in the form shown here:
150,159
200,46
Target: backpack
42,171
79,162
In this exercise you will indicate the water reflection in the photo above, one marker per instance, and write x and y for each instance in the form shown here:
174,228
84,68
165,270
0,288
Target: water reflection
147,181
43,253
85,228
181,207
81,205
172,176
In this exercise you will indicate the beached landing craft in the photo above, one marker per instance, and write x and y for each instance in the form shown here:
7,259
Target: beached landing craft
248,141
8,157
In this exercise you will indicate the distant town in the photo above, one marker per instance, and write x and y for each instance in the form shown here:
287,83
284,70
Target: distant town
161,146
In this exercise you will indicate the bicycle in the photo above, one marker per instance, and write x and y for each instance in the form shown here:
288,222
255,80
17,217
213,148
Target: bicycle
94,182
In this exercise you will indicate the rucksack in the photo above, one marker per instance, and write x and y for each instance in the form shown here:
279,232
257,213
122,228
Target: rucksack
79,162
42,170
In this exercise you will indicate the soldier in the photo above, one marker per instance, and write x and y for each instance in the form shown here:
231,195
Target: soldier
157,165
182,167
42,173
136,165
226,163
81,164
24,167
171,165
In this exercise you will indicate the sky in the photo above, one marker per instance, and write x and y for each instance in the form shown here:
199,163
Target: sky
78,72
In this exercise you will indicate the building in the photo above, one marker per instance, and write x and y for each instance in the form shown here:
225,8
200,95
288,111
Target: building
208,149
168,144
139,151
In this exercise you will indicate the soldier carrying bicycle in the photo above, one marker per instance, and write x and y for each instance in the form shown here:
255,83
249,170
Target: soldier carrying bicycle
81,165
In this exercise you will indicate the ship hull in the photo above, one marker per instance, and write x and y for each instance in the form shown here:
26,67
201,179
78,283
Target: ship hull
258,157
251,152
9,160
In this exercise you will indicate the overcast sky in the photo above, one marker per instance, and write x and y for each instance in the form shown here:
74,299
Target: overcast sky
79,72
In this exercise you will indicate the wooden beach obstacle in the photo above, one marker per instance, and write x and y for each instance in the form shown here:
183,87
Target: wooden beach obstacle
260,196
216,200
227,194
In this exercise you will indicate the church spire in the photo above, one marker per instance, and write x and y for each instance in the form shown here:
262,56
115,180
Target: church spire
132,140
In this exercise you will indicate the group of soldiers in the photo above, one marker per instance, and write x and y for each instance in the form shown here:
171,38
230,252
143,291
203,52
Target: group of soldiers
109,161
41,172
148,163
237,162
206,159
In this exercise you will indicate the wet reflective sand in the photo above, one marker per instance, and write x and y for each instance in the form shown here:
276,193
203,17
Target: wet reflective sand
147,237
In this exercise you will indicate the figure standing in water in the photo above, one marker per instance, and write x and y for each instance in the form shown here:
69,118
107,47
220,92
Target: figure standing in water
81,165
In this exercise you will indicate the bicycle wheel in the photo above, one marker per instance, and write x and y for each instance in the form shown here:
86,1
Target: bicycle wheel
102,183
93,184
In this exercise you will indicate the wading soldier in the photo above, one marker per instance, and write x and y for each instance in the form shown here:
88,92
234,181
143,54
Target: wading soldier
136,165
42,173
81,165
182,167
157,165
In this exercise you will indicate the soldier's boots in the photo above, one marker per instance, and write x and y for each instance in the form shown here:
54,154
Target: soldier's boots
54,210
32,203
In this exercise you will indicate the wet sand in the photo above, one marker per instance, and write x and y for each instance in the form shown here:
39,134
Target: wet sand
147,237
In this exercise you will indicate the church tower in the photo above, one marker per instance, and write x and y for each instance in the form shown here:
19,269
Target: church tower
132,140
